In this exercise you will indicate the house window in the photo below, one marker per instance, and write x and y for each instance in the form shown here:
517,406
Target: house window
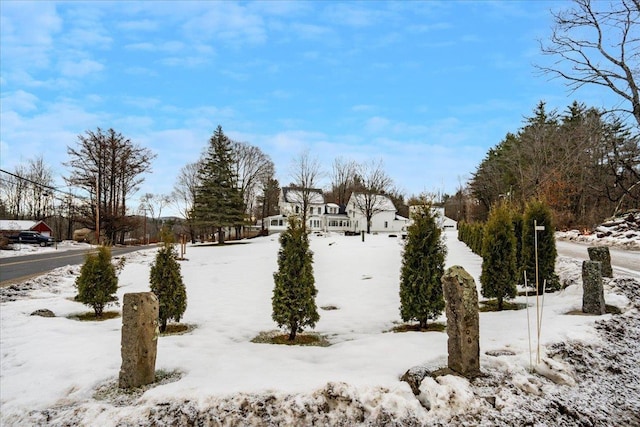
386,224
274,222
297,209
319,211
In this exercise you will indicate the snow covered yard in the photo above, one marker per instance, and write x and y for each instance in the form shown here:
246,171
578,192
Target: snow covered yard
51,368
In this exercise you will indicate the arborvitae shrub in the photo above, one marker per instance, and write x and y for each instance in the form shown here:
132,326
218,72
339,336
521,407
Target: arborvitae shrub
471,235
547,254
294,293
421,297
166,283
98,282
517,221
499,270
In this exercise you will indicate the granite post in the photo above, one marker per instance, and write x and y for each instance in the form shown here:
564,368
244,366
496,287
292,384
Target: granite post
593,294
463,321
602,254
139,342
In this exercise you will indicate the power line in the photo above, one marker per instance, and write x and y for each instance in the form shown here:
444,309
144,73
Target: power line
43,185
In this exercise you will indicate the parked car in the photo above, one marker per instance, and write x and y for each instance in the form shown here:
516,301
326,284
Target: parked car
33,237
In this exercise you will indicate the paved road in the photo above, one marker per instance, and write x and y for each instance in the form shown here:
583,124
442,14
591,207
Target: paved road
621,260
15,269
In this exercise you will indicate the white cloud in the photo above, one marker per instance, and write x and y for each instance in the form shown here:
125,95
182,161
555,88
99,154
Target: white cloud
354,14
19,101
80,68
27,31
377,124
231,22
173,46
139,25
144,103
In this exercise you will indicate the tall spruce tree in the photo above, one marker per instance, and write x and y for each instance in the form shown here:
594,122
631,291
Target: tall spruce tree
539,212
293,301
218,201
98,281
166,283
421,295
499,250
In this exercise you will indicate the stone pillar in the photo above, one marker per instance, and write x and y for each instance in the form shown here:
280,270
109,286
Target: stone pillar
601,253
593,294
139,339
463,321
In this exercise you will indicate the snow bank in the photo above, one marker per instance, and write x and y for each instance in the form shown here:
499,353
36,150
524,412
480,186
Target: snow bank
621,231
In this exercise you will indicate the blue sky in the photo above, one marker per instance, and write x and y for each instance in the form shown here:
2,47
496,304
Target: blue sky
427,87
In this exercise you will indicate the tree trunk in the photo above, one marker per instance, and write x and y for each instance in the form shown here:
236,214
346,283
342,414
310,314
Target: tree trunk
163,325
423,324
500,303
294,330
221,235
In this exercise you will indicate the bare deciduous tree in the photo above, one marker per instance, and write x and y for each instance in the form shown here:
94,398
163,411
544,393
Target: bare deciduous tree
305,172
109,167
152,205
372,183
184,194
343,175
598,42
252,167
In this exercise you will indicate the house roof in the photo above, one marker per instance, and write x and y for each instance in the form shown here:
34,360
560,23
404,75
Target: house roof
15,225
294,195
380,201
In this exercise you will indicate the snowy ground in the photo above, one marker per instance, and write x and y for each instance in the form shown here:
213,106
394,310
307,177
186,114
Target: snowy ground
59,371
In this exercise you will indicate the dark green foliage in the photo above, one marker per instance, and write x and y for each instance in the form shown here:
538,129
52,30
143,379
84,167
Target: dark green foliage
471,234
294,305
421,296
166,283
499,247
517,221
98,281
540,212
218,201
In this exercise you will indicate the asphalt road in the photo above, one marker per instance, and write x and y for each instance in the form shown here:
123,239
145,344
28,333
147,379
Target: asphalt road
622,260
15,269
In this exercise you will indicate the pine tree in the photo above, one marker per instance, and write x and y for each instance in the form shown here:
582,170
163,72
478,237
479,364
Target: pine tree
98,282
293,302
166,283
540,213
218,202
499,248
423,258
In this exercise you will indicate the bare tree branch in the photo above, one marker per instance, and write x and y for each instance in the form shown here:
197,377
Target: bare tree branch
595,45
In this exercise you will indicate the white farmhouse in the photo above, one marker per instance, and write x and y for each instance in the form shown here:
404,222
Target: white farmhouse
385,218
330,217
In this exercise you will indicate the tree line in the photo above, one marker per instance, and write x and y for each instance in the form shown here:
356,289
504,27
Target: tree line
230,186
583,163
